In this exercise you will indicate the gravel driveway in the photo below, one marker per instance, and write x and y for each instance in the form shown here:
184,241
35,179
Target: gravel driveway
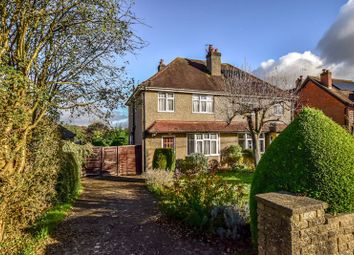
119,216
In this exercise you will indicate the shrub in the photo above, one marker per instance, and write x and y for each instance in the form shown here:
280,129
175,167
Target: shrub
247,158
213,166
158,180
312,157
193,164
231,155
68,181
51,175
193,197
164,158
230,221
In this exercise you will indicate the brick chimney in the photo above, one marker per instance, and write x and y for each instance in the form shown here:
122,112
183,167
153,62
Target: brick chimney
298,82
213,59
326,78
161,66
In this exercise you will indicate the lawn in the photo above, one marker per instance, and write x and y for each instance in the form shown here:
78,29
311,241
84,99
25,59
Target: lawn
237,176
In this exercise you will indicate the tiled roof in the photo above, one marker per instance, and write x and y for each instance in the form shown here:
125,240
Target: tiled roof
170,126
65,133
193,75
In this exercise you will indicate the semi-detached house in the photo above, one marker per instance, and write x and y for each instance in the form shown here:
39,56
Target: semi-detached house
177,108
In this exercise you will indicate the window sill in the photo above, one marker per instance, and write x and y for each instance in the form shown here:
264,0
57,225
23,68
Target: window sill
202,112
211,155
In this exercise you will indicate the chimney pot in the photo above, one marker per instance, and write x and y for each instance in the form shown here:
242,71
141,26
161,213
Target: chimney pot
326,78
213,59
161,65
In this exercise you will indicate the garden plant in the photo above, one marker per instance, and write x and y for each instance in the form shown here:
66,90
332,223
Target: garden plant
314,157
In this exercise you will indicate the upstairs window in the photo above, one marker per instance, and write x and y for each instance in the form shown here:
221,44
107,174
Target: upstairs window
203,104
278,110
166,102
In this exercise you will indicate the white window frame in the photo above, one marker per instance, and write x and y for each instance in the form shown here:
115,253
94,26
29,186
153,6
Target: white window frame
166,96
205,137
278,110
247,138
200,99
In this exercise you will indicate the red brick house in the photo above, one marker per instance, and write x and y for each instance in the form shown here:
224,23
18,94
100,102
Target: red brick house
335,97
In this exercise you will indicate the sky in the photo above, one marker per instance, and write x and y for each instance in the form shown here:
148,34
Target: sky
291,37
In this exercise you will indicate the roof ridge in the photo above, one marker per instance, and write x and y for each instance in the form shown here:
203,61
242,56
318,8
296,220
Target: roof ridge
162,71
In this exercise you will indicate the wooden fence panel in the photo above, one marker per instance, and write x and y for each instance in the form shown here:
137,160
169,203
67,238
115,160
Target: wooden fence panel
115,161
93,163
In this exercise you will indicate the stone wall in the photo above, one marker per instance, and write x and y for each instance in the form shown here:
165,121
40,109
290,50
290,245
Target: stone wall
295,225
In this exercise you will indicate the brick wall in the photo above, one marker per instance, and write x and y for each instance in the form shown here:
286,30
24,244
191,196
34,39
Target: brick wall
295,225
313,96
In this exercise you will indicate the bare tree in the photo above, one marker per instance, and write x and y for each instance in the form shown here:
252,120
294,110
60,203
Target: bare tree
255,100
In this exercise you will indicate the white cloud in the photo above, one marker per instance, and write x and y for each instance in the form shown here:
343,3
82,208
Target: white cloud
336,49
291,66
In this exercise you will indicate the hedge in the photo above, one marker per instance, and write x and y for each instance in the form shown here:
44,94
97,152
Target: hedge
68,181
164,159
312,157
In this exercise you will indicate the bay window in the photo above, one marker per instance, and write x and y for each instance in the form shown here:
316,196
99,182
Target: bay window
202,104
207,144
166,102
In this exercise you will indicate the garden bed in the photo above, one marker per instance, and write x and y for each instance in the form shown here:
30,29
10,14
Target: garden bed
213,207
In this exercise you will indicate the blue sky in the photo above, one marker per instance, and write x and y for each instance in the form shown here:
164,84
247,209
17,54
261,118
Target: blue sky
252,31
273,37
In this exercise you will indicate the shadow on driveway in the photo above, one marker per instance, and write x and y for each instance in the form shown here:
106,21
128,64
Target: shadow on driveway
117,215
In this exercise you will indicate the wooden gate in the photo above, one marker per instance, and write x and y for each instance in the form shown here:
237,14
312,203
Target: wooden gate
114,161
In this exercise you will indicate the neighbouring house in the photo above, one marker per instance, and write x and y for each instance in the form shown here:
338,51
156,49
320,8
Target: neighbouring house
176,108
66,134
335,97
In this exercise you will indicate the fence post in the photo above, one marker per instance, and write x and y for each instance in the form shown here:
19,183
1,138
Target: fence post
102,160
117,160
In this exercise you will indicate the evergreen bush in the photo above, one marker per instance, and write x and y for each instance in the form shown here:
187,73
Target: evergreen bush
164,159
192,164
68,181
312,157
231,155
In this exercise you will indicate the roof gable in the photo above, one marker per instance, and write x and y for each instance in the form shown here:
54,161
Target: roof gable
345,96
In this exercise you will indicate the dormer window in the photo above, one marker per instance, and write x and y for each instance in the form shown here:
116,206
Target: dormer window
203,104
166,102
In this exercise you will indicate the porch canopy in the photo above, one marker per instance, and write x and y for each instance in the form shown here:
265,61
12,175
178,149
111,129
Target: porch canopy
171,126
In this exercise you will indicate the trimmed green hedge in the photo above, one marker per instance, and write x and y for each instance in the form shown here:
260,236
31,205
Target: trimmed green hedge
68,182
314,157
164,159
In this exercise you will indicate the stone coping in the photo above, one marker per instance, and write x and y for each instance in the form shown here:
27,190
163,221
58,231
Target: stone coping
290,203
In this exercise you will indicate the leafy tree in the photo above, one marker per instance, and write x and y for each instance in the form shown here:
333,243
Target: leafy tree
61,55
100,134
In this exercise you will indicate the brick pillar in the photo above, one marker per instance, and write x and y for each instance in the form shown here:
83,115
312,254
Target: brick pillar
281,220
295,225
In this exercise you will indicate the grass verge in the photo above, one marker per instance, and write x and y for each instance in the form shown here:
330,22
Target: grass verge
45,225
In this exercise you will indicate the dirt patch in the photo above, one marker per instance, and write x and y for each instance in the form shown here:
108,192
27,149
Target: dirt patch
119,216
